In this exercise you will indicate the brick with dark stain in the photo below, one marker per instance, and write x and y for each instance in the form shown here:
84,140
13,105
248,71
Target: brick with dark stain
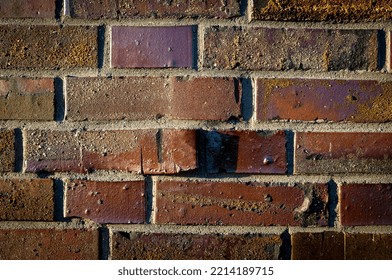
7,152
368,246
27,9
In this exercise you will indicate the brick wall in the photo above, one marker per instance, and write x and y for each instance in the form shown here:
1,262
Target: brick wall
195,129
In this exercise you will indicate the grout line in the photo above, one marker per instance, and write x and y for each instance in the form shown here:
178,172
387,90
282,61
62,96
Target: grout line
153,201
200,46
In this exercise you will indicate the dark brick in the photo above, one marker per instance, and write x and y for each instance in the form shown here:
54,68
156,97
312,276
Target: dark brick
27,9
185,246
26,99
246,152
49,244
154,8
7,153
368,246
142,98
317,245
152,47
341,152
217,203
26,200
332,100
48,47
327,10
366,204
260,48
106,202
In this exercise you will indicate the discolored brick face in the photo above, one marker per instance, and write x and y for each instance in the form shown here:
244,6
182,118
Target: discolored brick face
48,47
27,9
7,153
368,246
182,246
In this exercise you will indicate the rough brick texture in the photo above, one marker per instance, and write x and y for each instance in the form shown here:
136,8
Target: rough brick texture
152,47
366,204
154,9
290,49
7,153
334,152
48,47
26,200
163,246
143,98
106,202
368,246
48,244
240,204
246,152
26,99
27,9
330,100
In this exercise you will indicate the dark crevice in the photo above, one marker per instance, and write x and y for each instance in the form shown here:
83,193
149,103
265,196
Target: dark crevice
195,50
247,100
381,38
59,201
333,201
18,150
158,139
285,248
101,46
59,100
58,9
290,151
104,239
149,198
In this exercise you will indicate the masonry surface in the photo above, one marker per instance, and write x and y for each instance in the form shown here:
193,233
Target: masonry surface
194,129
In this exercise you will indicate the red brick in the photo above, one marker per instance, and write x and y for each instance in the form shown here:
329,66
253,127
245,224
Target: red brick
217,203
154,8
327,245
141,151
26,99
7,153
342,152
106,202
366,204
48,47
368,246
331,100
246,152
258,48
26,200
49,244
27,9
142,98
186,246
152,47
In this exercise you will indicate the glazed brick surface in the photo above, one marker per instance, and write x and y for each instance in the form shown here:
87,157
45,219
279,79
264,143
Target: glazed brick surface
368,246
7,153
27,9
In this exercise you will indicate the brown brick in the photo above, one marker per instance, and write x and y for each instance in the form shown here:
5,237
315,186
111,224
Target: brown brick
152,47
106,202
48,47
185,246
27,9
142,98
246,152
362,205
332,100
327,10
48,244
368,246
7,153
26,200
154,8
26,99
317,245
260,48
203,202
341,152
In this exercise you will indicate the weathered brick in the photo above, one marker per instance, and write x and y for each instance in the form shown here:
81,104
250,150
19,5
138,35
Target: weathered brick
368,246
326,245
186,246
142,151
26,200
7,153
26,99
154,8
141,98
366,204
342,152
49,244
48,47
331,100
203,202
258,48
106,202
327,10
152,47
27,9
246,152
